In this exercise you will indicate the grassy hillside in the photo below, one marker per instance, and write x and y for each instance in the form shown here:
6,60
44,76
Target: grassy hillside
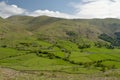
52,28
78,46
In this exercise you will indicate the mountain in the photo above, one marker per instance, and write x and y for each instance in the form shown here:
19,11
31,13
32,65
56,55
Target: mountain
85,46
52,29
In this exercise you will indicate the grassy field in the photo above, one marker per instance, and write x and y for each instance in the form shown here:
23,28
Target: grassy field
59,61
78,62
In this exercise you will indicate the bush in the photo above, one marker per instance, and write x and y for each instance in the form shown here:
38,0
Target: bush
71,33
110,47
4,46
103,44
84,46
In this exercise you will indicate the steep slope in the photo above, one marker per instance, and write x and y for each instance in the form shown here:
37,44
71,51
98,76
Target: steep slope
10,33
56,28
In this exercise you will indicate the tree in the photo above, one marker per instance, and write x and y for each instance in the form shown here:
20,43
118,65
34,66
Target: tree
82,46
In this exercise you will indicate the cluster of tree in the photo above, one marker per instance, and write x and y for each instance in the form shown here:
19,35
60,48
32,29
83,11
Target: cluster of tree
103,67
83,46
44,54
106,37
29,44
114,41
71,33
100,44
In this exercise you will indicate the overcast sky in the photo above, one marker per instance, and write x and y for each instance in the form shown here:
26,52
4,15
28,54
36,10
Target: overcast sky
61,8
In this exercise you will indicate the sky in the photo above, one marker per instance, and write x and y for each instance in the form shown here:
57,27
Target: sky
69,9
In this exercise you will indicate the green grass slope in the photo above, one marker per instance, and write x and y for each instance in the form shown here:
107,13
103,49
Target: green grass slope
60,45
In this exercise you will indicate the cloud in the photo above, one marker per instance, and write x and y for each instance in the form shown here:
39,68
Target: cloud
50,13
84,9
9,10
98,9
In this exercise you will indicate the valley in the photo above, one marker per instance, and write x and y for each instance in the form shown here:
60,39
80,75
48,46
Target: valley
50,47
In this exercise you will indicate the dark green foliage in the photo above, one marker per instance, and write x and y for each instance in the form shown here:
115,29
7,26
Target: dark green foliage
98,64
45,52
25,44
98,44
117,35
84,46
71,33
51,56
103,44
106,38
110,46
4,46
114,41
117,39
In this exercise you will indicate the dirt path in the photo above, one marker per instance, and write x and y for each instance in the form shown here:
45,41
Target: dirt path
10,74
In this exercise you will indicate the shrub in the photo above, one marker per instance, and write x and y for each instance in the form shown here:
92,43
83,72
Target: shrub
71,33
4,46
84,46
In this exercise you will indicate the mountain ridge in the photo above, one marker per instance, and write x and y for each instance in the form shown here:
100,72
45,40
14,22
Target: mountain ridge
51,29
